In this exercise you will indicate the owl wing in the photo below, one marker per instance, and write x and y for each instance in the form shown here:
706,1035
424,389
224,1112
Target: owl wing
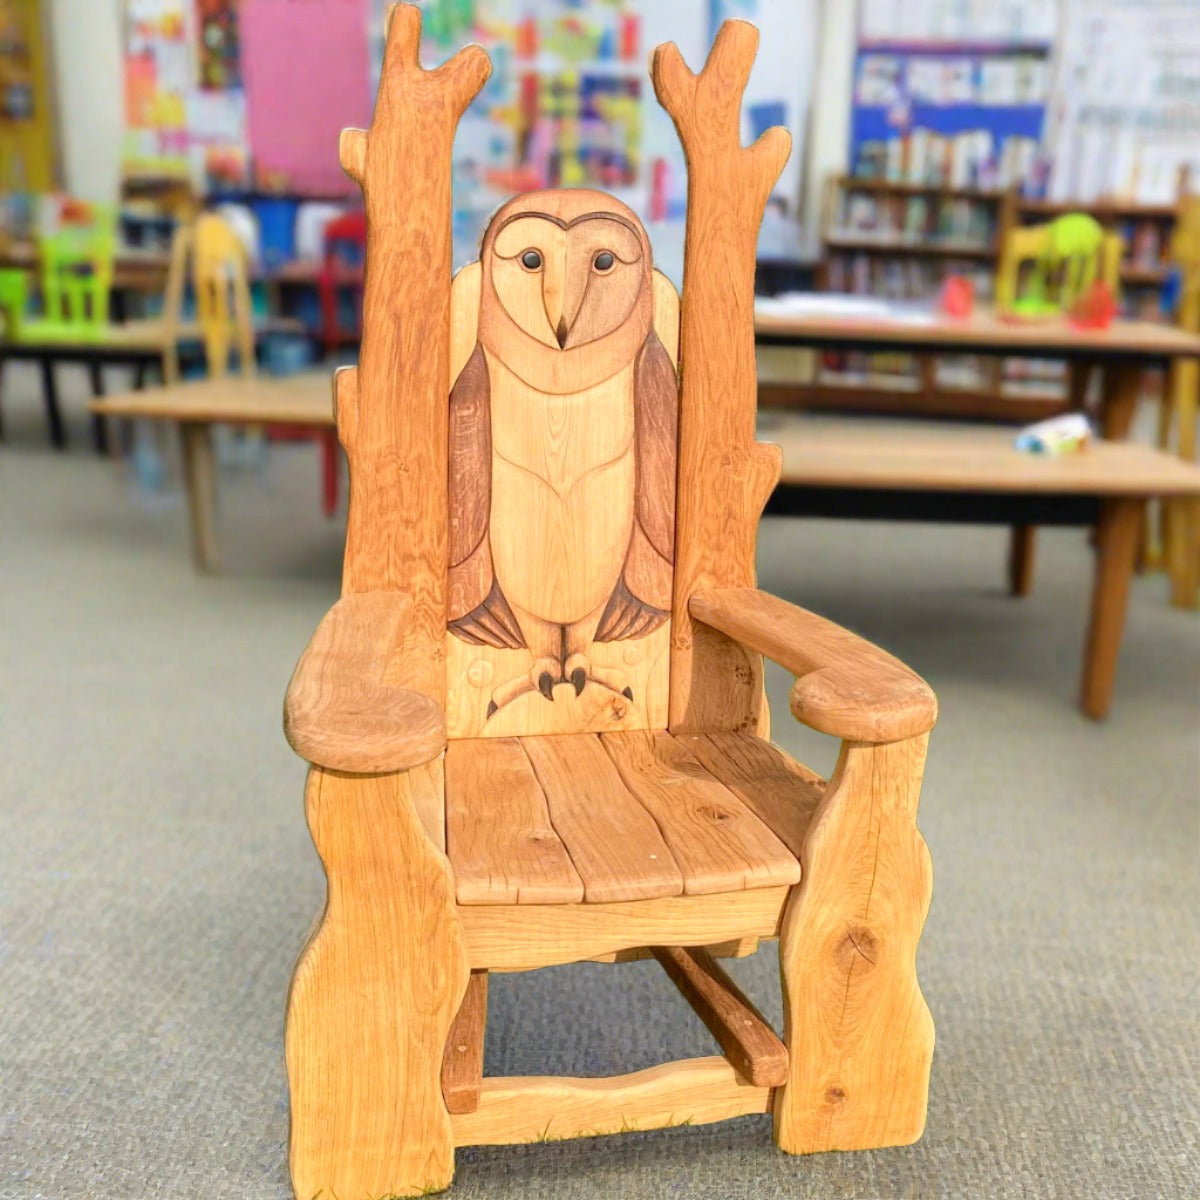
641,600
477,609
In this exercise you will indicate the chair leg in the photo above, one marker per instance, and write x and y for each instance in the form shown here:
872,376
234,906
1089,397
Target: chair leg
1022,542
99,421
858,1030
373,998
58,432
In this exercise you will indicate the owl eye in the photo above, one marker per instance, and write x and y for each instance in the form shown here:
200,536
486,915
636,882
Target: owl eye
531,260
604,261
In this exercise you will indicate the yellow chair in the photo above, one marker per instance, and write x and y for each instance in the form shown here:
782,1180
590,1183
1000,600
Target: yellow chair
1180,402
1044,269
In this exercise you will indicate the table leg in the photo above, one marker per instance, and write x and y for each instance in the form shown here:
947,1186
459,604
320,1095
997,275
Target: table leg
1183,550
1023,540
199,471
1117,533
1121,387
58,434
99,421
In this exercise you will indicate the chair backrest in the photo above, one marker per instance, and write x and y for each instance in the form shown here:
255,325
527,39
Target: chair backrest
563,439
1044,269
222,285
77,271
14,292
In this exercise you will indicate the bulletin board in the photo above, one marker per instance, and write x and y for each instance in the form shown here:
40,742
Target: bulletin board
952,93
1125,117
185,107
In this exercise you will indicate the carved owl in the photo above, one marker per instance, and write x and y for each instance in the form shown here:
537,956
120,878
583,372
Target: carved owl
562,443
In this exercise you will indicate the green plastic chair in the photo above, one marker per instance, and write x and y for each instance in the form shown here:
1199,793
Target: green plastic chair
76,279
1068,256
14,293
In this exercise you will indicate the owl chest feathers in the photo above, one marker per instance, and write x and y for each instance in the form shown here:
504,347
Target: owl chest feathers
563,477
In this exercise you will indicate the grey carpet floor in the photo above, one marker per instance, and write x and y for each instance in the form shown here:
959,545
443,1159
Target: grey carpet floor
158,879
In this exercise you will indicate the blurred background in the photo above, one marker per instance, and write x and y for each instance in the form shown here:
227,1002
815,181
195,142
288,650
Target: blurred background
990,219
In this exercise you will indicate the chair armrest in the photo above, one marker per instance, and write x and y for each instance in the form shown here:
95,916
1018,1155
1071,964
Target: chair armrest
341,710
844,686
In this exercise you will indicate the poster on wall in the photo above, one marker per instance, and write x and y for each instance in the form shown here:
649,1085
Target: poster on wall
185,110
1125,117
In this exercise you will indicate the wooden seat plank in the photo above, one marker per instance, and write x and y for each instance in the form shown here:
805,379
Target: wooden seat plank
719,844
781,792
613,841
500,839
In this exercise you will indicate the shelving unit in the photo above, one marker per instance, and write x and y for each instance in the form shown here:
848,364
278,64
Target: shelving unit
900,239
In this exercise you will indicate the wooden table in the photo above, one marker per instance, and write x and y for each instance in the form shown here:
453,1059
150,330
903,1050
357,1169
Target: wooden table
850,469
1120,352
305,399
136,344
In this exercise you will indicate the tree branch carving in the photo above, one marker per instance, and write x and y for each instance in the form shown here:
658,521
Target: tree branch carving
725,476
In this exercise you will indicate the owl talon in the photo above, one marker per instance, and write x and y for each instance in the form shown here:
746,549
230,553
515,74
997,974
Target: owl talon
628,694
492,709
546,685
579,680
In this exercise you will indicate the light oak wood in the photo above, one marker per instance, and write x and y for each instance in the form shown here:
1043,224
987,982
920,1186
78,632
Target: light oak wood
845,686
302,399
858,1031
548,1109
1020,560
501,841
718,843
200,479
745,1038
1117,538
562,473
615,844
392,416
781,792
832,453
725,476
986,332
342,710
462,1062
370,1005
510,938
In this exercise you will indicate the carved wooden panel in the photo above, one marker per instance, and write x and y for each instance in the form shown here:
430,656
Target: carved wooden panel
562,461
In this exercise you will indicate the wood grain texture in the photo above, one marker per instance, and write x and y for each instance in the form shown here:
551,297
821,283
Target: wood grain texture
845,686
781,792
1118,535
302,399
524,938
725,476
858,1031
837,453
393,417
502,844
718,843
462,1062
745,1037
372,1000
562,438
613,841
696,1091
342,708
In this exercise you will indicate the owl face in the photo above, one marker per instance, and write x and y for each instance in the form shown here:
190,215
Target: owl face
568,268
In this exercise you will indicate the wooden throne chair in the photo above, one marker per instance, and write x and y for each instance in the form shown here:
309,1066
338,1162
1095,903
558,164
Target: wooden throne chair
536,718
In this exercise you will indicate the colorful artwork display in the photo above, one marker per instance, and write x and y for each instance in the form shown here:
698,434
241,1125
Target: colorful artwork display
185,111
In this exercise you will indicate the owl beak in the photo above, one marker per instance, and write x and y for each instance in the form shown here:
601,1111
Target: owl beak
553,297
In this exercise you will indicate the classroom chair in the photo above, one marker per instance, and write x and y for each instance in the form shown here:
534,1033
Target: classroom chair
1044,269
76,274
536,720
345,250
224,310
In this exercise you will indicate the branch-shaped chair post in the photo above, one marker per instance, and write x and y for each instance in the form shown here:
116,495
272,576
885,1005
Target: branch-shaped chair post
725,476
392,412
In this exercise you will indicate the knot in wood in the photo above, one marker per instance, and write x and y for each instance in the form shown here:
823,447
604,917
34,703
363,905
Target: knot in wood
859,946
835,1095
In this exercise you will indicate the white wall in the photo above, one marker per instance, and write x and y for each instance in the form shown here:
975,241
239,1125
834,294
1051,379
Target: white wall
85,36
